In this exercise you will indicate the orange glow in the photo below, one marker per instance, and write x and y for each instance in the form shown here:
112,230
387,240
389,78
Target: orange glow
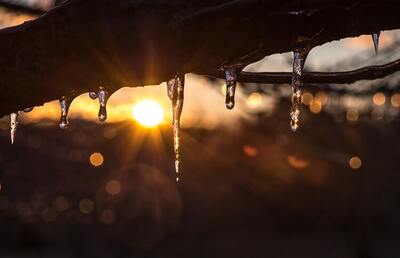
352,115
366,41
297,163
322,97
113,187
307,98
379,99
355,163
148,113
395,100
96,159
315,107
254,100
250,151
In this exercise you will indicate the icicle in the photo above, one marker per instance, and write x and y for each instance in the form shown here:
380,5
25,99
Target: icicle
300,56
13,126
175,90
27,110
65,103
375,38
231,80
103,96
93,95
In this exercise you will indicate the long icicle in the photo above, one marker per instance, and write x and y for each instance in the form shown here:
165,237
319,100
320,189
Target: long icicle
175,90
300,56
13,126
65,103
231,75
375,38
103,96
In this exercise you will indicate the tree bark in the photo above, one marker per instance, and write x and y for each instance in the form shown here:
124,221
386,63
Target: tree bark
84,44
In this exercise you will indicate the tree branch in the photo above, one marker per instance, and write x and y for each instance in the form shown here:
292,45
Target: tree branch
87,43
348,77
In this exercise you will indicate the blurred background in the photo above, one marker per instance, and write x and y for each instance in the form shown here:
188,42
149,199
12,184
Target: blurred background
249,188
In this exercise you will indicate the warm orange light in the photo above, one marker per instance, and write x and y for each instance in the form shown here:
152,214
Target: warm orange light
254,100
322,97
379,99
148,113
250,151
96,159
307,98
113,187
297,163
396,100
352,115
316,107
355,163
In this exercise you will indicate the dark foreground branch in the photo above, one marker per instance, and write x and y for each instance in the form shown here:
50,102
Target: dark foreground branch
348,77
85,44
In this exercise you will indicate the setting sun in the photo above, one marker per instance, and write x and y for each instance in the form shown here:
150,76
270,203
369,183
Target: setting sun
148,113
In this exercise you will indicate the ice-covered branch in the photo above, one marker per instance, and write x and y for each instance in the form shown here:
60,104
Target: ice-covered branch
21,8
85,44
347,77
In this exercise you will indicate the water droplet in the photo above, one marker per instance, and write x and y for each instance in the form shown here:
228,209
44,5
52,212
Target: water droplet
300,56
375,38
103,96
13,126
65,103
176,88
93,95
231,80
27,110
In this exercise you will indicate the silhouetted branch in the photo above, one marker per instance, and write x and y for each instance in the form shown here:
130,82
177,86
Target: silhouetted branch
84,44
348,77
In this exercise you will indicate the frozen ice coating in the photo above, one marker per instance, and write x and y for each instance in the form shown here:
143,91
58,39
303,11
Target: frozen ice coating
231,80
103,96
175,89
375,38
27,110
300,56
171,88
65,103
13,126
93,95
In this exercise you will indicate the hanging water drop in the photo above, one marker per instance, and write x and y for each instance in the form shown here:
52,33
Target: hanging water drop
231,80
65,103
175,88
375,38
27,110
103,96
13,126
93,95
300,56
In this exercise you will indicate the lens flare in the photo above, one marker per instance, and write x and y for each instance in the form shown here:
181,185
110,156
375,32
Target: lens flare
148,113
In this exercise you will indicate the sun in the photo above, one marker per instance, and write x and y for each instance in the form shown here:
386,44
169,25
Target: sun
148,113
